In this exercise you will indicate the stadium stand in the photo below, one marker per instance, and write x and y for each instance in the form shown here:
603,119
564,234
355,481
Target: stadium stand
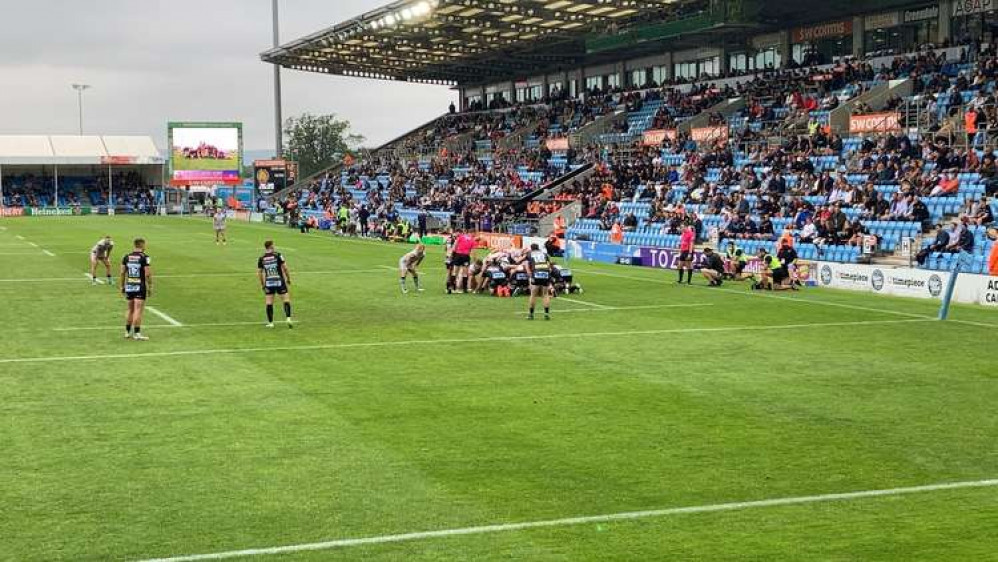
80,172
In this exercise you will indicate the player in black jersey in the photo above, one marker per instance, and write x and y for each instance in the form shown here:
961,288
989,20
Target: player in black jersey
136,286
274,280
539,268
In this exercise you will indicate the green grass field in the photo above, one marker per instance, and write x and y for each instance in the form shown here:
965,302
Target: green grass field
383,414
180,162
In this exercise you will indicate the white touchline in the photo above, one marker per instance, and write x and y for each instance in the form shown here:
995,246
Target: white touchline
34,253
98,279
32,244
19,237
584,520
164,316
48,253
444,341
566,299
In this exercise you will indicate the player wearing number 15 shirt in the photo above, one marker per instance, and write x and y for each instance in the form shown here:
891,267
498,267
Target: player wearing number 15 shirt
272,271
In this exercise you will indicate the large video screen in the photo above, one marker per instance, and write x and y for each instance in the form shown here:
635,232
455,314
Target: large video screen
205,153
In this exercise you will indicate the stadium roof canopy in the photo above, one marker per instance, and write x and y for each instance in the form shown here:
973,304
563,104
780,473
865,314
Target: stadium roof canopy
69,150
468,41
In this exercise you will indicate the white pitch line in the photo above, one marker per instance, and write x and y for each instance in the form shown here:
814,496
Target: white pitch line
98,279
19,237
164,316
592,304
35,253
32,244
446,341
584,520
48,253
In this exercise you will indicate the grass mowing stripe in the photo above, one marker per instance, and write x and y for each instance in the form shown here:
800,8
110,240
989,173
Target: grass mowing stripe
447,341
260,323
250,274
588,519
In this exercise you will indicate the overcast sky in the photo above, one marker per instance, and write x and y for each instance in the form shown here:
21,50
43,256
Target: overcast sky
151,61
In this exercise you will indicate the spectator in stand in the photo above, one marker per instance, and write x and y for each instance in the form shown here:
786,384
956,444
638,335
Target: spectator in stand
948,185
808,232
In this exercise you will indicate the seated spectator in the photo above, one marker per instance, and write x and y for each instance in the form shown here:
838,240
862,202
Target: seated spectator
948,185
808,232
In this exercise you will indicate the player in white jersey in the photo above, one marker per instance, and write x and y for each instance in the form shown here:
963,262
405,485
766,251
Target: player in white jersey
101,252
407,266
218,221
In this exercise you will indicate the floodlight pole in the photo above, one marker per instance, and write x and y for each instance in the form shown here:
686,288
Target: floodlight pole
79,101
278,120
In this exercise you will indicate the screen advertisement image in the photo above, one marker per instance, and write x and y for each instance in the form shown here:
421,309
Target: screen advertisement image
205,153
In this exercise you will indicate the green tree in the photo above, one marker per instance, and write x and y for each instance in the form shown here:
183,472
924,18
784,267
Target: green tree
318,141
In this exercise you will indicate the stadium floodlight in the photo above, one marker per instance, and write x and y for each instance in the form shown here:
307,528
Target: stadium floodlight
80,88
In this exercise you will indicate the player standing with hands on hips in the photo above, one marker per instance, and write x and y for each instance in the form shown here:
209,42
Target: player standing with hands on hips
136,286
272,271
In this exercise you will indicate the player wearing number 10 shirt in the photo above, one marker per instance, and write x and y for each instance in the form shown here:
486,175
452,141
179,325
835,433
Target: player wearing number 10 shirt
272,271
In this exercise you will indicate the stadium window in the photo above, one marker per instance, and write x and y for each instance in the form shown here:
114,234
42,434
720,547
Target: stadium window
555,88
710,67
768,58
739,62
639,77
686,70
594,83
660,75
536,92
613,80
573,88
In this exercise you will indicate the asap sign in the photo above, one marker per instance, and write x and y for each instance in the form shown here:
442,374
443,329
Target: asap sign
967,7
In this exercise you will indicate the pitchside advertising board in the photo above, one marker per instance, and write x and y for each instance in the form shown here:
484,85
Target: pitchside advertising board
902,282
207,153
907,282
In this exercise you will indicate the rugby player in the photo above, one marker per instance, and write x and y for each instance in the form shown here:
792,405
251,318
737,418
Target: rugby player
539,269
686,241
713,268
101,252
449,261
219,223
408,264
136,286
272,271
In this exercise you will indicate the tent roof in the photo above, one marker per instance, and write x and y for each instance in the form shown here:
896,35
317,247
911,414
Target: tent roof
67,150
